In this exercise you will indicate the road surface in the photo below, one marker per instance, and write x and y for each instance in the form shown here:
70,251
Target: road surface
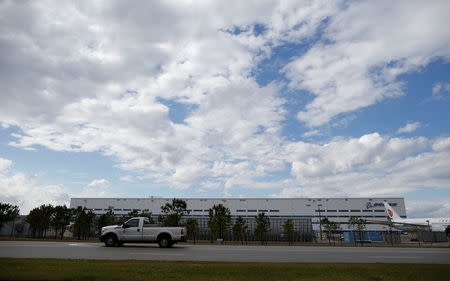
79,250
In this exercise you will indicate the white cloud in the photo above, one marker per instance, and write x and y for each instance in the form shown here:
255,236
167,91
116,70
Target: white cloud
23,190
441,144
99,183
371,165
440,91
96,188
126,178
311,133
98,75
409,127
430,208
365,48
5,164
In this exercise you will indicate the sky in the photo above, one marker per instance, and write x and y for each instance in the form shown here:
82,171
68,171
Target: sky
225,99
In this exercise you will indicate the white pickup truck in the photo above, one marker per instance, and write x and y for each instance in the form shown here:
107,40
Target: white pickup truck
139,230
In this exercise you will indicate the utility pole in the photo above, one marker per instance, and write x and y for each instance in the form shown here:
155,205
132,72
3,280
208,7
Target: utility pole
320,224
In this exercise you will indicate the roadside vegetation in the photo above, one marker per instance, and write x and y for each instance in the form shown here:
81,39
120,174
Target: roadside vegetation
54,269
8,213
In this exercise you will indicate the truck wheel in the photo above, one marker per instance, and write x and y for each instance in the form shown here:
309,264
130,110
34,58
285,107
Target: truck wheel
111,241
165,241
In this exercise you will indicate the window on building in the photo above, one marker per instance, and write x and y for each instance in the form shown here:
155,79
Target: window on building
240,211
128,210
343,211
308,205
197,210
251,210
98,209
379,211
265,211
117,209
274,211
355,211
331,211
320,210
367,211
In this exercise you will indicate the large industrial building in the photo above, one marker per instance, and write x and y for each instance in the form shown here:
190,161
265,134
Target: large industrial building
306,213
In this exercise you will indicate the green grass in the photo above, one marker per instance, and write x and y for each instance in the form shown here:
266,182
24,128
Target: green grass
57,269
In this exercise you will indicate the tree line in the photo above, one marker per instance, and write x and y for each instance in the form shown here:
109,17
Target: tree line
85,223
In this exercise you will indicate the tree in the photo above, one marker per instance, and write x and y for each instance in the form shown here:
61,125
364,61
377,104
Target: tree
192,228
148,214
105,219
352,224
288,230
33,219
240,230
39,220
60,219
330,227
360,227
83,222
128,216
219,221
173,212
47,212
390,224
8,212
262,227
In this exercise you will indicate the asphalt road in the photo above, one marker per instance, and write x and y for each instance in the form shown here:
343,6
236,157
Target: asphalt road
31,249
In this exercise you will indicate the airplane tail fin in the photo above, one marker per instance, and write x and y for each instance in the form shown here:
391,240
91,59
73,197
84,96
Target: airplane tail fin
392,214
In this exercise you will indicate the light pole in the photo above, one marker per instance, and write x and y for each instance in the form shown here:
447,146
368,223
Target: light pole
320,224
320,218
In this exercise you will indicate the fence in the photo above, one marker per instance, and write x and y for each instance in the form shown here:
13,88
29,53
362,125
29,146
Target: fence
303,231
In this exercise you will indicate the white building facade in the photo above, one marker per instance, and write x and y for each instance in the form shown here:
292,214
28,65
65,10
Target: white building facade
335,209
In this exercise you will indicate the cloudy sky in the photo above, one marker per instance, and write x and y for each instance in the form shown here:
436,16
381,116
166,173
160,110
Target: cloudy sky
225,99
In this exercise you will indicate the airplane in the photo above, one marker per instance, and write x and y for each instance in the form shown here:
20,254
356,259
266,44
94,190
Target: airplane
435,224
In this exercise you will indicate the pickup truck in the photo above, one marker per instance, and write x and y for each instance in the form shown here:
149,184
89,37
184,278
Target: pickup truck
139,230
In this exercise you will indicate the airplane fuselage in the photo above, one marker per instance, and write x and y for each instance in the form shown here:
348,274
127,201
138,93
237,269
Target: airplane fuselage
436,224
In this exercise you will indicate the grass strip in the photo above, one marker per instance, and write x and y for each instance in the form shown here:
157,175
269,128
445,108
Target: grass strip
59,269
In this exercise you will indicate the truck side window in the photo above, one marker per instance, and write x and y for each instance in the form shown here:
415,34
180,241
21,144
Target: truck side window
132,223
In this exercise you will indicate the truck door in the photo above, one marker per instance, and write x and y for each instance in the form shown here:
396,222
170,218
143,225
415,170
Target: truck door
131,230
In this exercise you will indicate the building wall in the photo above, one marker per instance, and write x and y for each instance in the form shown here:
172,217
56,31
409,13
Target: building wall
336,209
